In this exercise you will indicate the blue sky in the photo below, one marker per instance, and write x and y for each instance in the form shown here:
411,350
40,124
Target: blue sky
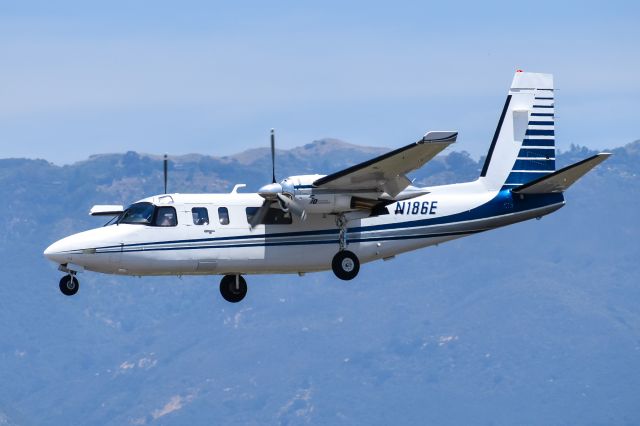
79,78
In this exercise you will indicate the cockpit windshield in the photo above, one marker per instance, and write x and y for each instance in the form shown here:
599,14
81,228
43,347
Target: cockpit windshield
138,214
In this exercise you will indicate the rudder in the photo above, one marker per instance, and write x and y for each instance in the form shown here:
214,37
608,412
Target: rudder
523,146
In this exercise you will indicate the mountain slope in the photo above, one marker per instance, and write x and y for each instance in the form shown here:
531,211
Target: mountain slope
536,323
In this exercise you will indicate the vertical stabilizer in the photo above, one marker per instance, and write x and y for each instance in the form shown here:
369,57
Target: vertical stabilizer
523,146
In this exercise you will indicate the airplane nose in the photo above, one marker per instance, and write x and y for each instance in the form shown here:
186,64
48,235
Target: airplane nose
54,253
79,249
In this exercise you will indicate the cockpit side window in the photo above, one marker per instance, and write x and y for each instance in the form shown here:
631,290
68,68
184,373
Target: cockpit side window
223,215
166,216
138,214
200,216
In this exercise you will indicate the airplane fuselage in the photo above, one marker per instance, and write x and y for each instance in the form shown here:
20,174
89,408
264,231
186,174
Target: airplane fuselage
227,245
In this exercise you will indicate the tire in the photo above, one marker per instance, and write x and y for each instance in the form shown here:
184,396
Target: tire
345,265
229,291
69,285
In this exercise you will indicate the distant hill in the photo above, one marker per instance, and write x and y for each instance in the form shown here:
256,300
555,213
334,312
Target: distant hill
536,323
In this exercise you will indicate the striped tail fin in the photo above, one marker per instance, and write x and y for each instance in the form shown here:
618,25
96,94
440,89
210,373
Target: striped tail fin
523,146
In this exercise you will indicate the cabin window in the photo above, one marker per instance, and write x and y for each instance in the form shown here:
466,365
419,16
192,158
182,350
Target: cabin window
138,214
223,215
200,216
273,216
166,216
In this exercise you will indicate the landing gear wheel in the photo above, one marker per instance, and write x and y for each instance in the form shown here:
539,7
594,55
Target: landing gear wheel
345,265
233,288
69,285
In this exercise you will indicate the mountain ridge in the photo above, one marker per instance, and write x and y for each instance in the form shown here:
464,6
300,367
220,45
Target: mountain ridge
310,150
532,323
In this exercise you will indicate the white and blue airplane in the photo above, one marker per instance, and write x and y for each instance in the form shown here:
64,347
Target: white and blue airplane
367,212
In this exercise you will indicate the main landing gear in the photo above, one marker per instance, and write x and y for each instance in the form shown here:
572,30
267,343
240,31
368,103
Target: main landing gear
233,288
345,264
69,285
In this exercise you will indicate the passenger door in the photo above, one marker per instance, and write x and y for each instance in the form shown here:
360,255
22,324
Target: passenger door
234,236
201,229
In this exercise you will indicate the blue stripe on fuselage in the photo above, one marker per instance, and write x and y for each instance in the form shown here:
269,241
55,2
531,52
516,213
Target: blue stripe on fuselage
305,242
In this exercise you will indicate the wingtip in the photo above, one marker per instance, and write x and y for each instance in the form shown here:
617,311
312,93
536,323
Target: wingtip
600,157
440,136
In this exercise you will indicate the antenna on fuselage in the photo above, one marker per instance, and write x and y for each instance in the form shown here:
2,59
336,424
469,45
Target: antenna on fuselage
166,163
273,157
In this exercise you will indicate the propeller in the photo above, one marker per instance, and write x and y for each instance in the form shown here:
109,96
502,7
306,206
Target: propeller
273,157
276,192
259,216
166,163
293,206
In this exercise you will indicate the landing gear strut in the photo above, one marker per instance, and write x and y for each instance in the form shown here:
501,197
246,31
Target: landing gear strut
341,222
345,264
69,285
233,288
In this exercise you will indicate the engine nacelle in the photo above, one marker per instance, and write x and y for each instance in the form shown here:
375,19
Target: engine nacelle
301,187
324,203
319,200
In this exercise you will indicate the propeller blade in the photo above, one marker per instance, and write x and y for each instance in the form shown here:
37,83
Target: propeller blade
273,157
260,214
293,206
166,161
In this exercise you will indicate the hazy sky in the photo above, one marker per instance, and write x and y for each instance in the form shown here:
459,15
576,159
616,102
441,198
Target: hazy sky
78,78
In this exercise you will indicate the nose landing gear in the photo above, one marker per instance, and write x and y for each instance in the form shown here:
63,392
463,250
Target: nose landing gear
69,285
233,288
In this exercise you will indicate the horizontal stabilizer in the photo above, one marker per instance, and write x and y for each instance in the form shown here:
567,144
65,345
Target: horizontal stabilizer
562,179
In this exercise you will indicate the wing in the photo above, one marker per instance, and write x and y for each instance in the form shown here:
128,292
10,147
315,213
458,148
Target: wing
387,173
